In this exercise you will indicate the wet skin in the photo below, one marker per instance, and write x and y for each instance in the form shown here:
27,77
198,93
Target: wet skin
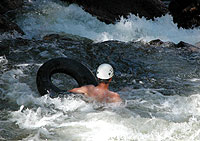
99,93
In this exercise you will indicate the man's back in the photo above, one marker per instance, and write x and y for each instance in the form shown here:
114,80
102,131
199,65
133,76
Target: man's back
102,95
98,93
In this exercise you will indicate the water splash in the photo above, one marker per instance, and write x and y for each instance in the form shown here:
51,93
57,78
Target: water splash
170,118
53,17
145,115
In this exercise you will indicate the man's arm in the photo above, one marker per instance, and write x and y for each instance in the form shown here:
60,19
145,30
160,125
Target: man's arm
80,90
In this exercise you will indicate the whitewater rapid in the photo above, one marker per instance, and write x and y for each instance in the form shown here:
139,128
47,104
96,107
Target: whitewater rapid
46,17
146,114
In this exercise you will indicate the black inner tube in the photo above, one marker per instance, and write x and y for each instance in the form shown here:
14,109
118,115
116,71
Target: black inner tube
78,71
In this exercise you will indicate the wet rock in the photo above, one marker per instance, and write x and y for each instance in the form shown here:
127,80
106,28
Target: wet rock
185,47
156,42
67,37
186,13
109,11
7,26
4,48
188,47
51,37
166,2
197,44
7,5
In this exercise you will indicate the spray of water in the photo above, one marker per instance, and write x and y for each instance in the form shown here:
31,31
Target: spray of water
51,17
153,117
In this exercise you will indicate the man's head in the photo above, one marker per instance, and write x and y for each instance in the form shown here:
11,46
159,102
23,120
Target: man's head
105,72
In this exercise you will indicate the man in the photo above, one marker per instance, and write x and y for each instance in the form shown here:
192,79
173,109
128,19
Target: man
100,93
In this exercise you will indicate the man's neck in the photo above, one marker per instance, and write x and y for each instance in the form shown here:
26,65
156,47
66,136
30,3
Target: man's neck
103,85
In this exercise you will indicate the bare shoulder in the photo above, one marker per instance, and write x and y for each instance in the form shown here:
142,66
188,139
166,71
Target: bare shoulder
90,86
114,97
87,87
83,89
114,94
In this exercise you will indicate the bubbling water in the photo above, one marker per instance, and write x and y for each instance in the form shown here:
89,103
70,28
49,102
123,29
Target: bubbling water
150,117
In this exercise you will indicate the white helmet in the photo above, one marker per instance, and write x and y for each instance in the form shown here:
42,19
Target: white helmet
105,71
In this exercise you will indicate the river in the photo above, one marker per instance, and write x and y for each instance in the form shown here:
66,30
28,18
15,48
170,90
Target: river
159,83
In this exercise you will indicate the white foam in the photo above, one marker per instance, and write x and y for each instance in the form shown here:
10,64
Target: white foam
147,116
172,118
51,17
3,61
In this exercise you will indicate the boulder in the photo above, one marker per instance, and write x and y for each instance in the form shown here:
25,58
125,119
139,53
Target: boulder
186,13
7,5
109,11
6,24
188,47
166,2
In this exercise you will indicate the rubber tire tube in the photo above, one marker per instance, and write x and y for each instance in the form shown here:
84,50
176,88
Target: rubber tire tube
78,71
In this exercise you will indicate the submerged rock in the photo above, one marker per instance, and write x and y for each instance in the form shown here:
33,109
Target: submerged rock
109,11
186,13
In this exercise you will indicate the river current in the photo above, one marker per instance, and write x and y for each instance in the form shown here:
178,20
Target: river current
159,84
